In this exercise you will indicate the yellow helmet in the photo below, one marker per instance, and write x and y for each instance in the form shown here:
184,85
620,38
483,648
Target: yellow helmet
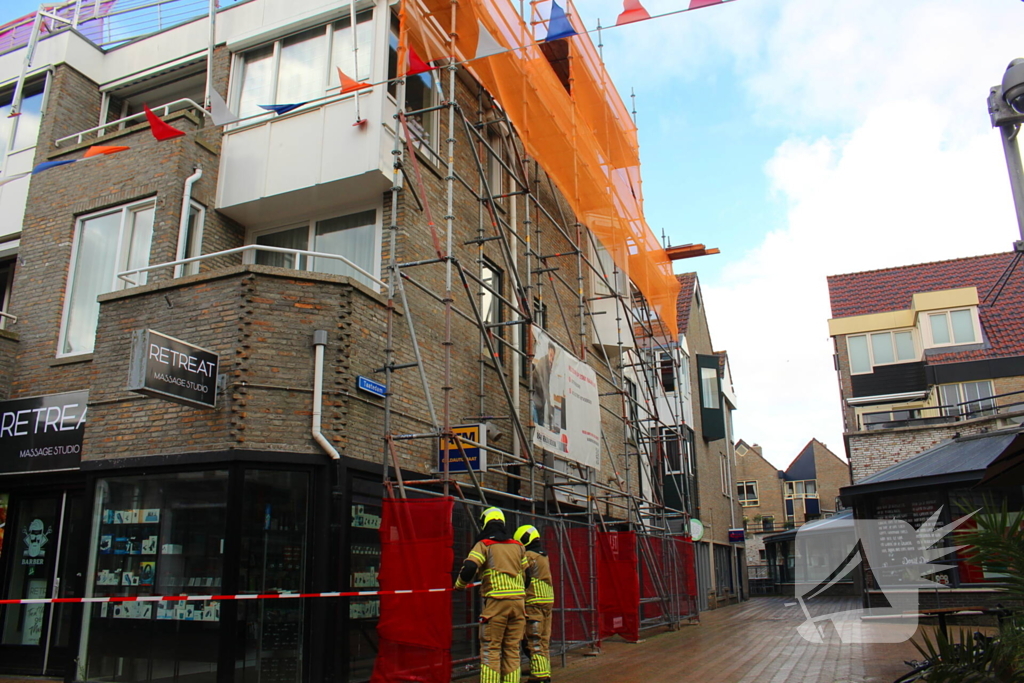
491,515
526,534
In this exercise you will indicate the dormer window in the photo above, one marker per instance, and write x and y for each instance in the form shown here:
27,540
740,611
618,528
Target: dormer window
880,348
949,328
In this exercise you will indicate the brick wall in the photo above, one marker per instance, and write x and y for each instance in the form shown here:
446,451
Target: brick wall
872,452
8,352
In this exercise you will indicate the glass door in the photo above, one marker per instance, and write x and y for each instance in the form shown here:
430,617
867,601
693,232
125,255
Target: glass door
34,547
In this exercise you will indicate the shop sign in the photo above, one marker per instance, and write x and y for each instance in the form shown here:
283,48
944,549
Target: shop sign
42,433
696,529
736,536
170,369
477,457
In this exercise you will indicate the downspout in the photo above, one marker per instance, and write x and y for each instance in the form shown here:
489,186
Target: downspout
319,342
186,206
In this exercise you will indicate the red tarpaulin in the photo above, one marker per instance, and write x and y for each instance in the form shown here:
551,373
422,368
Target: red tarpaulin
618,585
415,629
654,579
688,567
572,575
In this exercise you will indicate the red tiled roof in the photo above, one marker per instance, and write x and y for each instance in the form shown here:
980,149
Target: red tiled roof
687,281
892,289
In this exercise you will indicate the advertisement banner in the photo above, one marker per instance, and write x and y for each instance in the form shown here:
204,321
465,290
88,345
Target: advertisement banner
173,370
564,403
42,433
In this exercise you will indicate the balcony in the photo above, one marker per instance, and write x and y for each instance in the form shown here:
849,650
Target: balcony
1007,406
309,158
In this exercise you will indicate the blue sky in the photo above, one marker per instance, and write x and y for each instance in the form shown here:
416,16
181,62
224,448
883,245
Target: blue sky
806,138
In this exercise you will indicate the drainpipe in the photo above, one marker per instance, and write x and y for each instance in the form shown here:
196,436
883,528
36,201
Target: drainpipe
319,342
186,206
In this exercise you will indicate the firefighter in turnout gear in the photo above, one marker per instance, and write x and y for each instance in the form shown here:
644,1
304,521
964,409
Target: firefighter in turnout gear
501,563
540,598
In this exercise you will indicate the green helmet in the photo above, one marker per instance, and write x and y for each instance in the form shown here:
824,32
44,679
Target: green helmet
526,534
491,515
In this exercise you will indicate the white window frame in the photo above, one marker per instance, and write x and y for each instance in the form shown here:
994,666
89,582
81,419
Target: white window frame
310,223
962,411
791,492
433,128
926,327
746,502
191,268
31,83
116,283
6,285
892,341
238,60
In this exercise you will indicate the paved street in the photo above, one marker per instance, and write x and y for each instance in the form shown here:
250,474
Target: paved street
754,641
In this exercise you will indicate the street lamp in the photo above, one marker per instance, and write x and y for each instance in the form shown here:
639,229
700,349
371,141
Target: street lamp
1006,110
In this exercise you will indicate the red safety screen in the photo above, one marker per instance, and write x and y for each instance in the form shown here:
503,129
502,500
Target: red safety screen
654,585
688,567
572,575
415,629
618,585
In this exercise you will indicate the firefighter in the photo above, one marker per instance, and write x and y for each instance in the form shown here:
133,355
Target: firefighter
501,563
540,598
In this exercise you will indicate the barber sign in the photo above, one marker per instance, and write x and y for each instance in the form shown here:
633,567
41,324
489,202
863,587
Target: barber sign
173,370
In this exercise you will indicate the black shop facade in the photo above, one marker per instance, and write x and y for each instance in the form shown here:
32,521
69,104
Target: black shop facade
227,523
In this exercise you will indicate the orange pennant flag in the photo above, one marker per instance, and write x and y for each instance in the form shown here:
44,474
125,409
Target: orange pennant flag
348,84
96,150
632,11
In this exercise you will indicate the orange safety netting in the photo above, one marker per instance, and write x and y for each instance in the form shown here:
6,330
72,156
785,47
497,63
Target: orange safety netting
585,141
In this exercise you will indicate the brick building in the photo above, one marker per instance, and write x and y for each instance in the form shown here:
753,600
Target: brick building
925,352
220,351
701,478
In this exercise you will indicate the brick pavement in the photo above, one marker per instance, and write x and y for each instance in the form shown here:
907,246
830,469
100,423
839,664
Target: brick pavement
755,641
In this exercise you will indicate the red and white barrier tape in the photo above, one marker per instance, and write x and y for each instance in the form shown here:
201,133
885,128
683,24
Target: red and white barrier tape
201,598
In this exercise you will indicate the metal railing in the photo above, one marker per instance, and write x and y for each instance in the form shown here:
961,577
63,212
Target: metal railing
125,275
105,23
163,110
942,414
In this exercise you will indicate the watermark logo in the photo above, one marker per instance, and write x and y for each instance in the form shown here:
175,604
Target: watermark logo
896,560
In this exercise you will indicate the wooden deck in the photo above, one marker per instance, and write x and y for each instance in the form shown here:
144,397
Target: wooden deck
756,641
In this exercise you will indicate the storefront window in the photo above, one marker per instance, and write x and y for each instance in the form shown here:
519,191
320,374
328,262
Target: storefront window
4,497
31,570
364,566
273,551
156,535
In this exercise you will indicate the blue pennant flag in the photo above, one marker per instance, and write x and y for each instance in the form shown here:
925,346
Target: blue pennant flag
558,24
46,165
280,108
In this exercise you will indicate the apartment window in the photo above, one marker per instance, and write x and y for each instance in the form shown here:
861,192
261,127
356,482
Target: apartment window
609,280
949,328
21,132
807,488
355,236
190,241
880,348
491,309
632,409
667,367
723,466
747,493
301,67
421,92
540,320
709,385
970,399
768,523
105,244
6,281
673,444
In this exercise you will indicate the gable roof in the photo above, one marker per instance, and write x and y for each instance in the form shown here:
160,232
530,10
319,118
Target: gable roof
687,281
892,289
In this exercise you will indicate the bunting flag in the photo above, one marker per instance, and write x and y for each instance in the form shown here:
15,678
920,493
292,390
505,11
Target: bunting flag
417,65
558,24
632,11
11,179
486,45
697,4
46,165
350,84
219,110
97,150
280,108
161,131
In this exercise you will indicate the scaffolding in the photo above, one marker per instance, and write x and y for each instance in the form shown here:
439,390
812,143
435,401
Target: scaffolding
561,277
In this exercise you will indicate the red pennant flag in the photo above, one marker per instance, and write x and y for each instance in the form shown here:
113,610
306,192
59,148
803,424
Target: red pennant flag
632,11
96,150
161,130
348,84
416,65
697,4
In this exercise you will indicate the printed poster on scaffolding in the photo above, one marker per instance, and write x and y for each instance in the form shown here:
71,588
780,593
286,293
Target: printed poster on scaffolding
564,403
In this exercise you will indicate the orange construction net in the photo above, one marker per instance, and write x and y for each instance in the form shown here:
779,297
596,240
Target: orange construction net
585,139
